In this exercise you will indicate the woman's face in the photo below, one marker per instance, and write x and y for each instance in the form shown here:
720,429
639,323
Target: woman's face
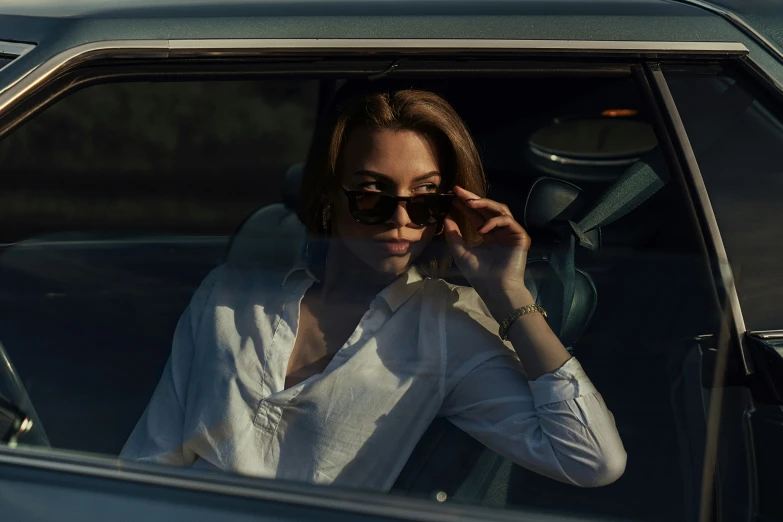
401,163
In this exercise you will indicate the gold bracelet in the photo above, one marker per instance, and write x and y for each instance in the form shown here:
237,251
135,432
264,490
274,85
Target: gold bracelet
516,314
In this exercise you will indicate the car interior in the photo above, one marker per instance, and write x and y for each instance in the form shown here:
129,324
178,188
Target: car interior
87,313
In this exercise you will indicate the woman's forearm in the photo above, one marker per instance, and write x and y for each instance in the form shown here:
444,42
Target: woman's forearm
538,348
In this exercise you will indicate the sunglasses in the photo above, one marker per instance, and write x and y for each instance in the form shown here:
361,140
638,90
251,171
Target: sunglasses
373,208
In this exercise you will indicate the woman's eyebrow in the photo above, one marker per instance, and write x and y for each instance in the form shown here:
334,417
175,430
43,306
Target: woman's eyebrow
379,175
428,175
371,174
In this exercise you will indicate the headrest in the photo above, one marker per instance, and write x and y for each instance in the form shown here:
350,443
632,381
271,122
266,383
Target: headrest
552,203
272,238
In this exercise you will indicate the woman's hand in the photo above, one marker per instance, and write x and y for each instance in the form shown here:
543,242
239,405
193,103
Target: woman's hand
496,267
496,270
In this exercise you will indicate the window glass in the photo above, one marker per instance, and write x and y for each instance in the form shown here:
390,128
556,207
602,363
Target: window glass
116,202
736,138
142,224
165,157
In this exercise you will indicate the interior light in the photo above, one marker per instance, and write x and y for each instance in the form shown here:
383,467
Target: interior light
619,113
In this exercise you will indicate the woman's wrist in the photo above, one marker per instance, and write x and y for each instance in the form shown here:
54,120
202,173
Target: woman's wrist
502,302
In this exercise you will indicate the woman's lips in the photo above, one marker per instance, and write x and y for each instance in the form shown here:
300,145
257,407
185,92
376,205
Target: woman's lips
395,247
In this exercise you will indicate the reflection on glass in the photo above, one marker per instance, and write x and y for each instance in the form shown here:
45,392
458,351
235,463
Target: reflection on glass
332,337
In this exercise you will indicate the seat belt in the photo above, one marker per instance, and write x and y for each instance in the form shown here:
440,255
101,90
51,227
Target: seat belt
635,186
639,182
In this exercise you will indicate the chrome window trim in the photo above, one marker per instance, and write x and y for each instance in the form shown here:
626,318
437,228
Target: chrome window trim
76,55
223,47
724,268
767,334
740,23
424,44
15,49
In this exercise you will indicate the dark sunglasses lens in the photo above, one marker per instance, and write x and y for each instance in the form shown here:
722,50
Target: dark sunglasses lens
429,209
371,208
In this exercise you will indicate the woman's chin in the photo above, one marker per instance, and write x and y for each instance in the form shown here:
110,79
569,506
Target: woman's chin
391,265
382,262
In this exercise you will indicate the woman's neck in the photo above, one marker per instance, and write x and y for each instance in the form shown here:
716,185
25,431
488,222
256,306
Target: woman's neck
348,278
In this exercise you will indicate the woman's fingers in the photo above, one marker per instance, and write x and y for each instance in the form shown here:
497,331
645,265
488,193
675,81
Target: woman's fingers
475,218
496,222
464,194
513,232
452,232
485,206
486,215
454,237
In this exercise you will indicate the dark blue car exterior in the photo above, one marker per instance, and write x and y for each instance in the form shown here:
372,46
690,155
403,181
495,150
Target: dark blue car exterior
41,40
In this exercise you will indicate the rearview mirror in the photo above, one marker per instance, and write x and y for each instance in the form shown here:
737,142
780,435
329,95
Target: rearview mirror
13,423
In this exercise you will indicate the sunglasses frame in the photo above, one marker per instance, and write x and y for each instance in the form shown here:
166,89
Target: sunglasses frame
353,194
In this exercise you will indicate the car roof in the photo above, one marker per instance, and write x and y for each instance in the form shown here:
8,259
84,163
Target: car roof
81,21
56,25
219,8
37,20
40,20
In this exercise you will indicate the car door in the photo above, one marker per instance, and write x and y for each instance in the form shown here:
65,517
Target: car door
729,122
625,348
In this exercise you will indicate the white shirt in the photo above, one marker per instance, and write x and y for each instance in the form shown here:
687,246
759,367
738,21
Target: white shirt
425,348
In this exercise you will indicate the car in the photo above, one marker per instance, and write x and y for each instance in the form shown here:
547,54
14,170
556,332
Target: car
144,143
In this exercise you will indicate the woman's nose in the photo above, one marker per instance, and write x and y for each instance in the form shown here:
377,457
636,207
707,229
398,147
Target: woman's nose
400,217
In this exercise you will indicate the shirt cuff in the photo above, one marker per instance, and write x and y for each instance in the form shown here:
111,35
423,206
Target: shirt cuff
566,383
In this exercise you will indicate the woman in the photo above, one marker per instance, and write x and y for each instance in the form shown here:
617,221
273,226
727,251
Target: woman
330,370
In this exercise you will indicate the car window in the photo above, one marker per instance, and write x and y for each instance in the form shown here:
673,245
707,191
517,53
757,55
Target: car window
736,136
156,264
181,150
128,193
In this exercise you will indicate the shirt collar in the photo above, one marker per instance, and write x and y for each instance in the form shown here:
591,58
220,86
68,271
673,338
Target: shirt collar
402,288
395,295
302,263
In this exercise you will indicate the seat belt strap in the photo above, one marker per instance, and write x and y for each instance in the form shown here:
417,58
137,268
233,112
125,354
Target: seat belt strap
636,185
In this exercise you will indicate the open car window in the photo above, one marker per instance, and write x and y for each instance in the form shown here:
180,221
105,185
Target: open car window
126,205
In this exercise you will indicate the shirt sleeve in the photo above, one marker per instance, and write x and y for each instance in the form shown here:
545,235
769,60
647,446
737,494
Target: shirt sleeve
158,435
557,425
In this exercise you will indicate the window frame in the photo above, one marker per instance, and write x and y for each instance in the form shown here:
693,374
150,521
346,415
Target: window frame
765,88
386,55
758,370
769,91
727,292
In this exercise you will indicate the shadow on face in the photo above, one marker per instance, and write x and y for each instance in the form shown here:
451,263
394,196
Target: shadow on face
396,162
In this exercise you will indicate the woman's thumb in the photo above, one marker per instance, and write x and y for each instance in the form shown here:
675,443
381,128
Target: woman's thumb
454,236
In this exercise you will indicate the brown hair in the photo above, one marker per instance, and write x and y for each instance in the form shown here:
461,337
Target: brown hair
396,109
